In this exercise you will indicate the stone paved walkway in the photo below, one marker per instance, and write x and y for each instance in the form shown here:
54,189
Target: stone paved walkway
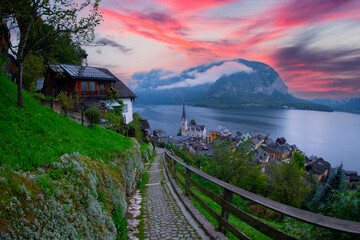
163,217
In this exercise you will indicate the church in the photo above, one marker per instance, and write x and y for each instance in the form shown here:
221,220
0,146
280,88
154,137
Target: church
191,130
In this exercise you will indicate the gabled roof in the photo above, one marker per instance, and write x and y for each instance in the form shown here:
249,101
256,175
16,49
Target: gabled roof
78,72
349,173
319,166
123,90
278,148
160,133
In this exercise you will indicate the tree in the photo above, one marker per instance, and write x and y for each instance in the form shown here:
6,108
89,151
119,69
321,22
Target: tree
93,115
65,16
287,184
192,122
113,120
112,93
299,159
333,183
60,49
69,101
34,68
234,164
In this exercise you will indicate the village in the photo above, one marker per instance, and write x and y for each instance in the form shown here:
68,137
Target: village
195,140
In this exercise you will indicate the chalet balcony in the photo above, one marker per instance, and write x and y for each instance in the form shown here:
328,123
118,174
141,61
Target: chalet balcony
93,93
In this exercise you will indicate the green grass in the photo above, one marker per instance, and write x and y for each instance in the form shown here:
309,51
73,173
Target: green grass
144,146
142,185
242,204
35,135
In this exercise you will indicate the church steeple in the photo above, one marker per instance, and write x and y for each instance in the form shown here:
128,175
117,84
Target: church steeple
183,122
183,114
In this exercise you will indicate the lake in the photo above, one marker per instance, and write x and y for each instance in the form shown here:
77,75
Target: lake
331,135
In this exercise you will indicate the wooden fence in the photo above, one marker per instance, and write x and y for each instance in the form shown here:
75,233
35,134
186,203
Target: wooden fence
225,201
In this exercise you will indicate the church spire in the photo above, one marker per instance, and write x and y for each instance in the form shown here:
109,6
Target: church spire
184,127
183,118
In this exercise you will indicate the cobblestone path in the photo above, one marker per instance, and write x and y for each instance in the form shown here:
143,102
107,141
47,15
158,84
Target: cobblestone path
162,216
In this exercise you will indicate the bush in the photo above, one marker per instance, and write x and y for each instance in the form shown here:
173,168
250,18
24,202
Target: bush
39,96
93,115
120,224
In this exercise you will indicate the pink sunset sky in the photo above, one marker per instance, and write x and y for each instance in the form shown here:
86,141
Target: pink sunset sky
313,44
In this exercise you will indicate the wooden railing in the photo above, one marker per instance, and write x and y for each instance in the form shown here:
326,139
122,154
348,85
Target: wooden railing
91,93
225,201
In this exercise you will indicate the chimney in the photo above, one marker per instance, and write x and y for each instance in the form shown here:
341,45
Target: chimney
84,60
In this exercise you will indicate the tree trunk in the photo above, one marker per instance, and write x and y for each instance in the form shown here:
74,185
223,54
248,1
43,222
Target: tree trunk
24,25
19,84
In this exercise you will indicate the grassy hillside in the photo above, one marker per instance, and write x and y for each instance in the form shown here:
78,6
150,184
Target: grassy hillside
36,135
61,180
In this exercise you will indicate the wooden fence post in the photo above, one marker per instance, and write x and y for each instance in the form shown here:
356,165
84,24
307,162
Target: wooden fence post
174,166
228,196
188,173
82,118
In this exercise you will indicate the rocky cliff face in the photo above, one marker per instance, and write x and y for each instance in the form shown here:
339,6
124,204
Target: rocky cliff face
70,199
231,83
205,81
261,80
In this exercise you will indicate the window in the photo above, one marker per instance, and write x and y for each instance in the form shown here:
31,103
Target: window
102,87
125,108
84,86
92,86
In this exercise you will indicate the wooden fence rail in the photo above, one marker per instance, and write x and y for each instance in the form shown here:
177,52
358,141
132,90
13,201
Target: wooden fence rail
225,202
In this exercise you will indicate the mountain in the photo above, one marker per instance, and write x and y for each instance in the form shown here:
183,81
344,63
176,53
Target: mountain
232,83
172,96
344,105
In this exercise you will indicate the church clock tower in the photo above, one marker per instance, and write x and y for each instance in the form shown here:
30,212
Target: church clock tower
183,122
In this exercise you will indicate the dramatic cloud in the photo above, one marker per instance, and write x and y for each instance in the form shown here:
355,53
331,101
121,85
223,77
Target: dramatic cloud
191,5
111,43
330,68
312,44
210,75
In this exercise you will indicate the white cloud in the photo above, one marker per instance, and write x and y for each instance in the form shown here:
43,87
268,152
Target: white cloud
211,75
166,75
341,34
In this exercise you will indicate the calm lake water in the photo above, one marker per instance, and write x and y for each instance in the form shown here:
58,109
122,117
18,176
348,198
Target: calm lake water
335,136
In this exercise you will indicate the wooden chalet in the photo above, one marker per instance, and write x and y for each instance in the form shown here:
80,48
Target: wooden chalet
92,83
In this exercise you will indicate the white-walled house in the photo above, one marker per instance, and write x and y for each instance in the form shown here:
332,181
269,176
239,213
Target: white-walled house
127,96
127,109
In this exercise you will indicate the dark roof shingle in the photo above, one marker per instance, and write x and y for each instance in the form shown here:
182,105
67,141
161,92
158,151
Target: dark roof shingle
78,72
123,90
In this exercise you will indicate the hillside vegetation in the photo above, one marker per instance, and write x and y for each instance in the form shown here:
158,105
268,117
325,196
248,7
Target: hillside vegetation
35,135
61,180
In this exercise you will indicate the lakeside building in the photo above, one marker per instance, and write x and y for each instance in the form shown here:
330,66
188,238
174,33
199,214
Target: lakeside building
91,83
257,140
191,130
278,152
318,166
221,132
